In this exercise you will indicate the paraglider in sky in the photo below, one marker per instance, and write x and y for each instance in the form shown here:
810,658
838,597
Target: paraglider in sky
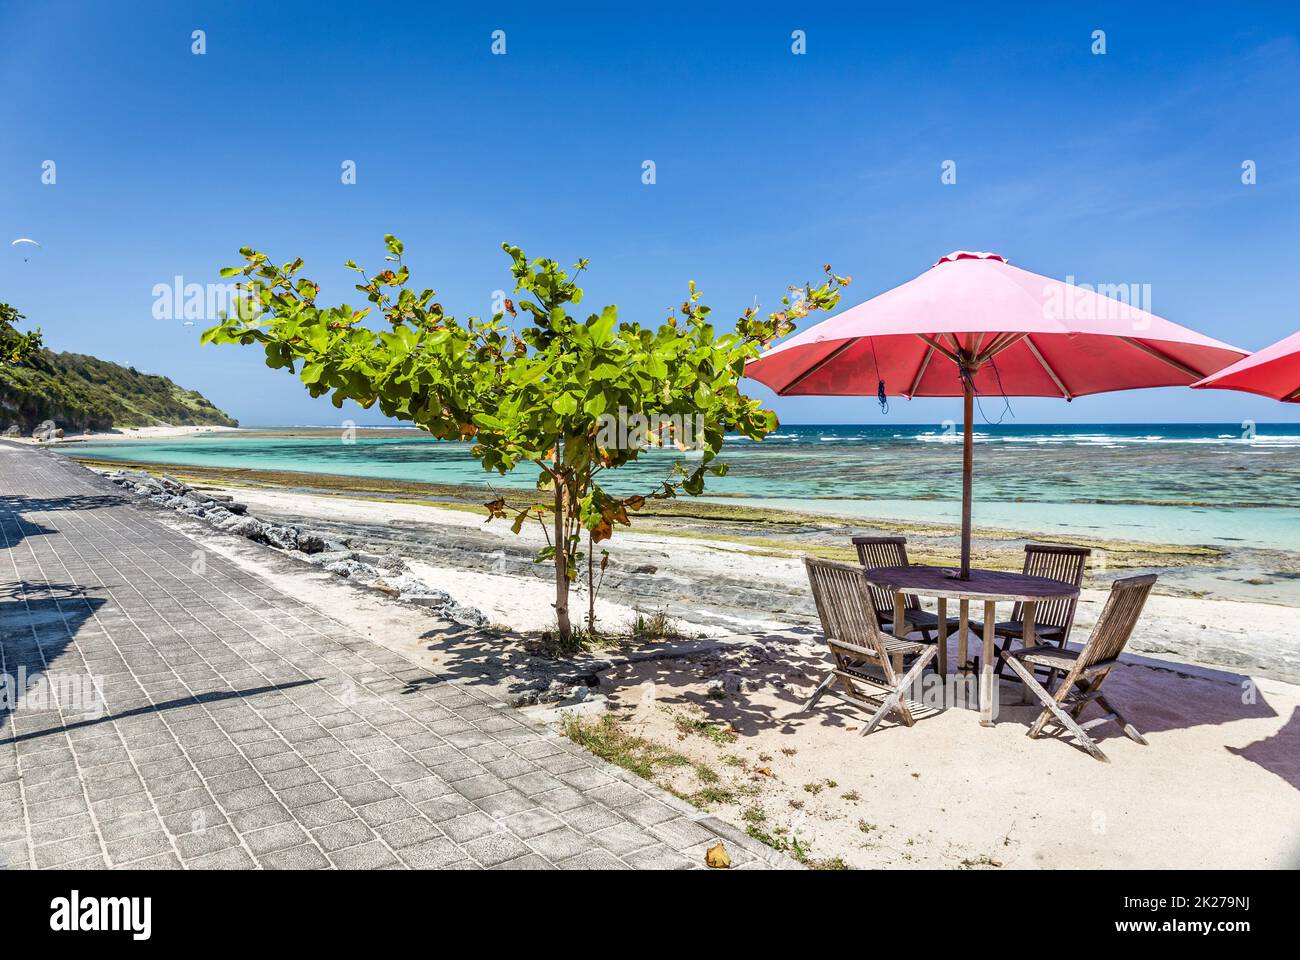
24,240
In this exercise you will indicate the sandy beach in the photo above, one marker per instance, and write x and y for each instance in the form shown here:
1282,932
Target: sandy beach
166,432
717,711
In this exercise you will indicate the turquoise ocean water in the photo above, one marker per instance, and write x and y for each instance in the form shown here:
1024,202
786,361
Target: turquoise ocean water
1171,483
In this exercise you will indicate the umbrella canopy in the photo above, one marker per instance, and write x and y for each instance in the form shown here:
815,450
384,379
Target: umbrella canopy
975,324
1272,372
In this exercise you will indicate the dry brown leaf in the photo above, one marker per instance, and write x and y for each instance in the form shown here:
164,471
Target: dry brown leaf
717,857
765,771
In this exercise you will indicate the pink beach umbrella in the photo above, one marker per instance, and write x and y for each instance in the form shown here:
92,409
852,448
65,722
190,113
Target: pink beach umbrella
1272,372
974,324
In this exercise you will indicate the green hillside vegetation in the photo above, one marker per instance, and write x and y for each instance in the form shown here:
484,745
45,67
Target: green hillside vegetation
79,392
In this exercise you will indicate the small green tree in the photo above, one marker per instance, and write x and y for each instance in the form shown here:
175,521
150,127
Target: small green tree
573,397
16,348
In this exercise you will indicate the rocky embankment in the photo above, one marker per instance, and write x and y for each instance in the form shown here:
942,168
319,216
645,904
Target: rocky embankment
384,572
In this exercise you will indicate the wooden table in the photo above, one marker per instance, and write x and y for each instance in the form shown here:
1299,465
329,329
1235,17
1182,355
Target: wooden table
989,586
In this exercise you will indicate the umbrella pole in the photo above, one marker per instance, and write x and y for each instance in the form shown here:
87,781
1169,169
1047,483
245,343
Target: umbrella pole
967,465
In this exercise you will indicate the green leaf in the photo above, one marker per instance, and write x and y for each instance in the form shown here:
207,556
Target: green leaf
602,327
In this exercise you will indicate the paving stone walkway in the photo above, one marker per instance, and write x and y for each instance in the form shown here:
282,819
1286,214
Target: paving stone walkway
205,719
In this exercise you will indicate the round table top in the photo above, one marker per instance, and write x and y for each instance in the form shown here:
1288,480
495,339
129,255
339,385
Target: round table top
982,585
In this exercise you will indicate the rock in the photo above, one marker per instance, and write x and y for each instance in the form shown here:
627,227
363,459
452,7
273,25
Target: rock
730,683
235,506
13,430
465,615
47,430
310,542
286,538
645,568
405,583
435,600
353,570
244,527
331,556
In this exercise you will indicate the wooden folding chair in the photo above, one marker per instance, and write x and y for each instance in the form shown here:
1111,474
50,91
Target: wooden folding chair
858,646
1052,621
876,552
1085,670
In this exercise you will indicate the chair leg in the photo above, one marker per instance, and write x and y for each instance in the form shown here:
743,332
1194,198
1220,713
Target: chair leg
817,694
1000,664
1130,731
1052,710
893,700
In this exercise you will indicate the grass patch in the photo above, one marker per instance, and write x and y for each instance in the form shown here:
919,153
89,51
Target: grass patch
649,760
714,732
653,626
795,847
983,860
608,741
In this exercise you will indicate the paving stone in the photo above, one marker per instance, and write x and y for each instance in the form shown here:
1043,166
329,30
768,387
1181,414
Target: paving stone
496,848
529,861
138,847
403,833
557,845
281,836
348,833
231,858
365,856
530,823
593,860
61,853
433,855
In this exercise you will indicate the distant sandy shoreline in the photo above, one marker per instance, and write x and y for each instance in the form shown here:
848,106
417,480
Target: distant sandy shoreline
128,433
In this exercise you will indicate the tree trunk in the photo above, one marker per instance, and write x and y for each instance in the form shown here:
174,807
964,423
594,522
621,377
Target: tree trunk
591,586
563,625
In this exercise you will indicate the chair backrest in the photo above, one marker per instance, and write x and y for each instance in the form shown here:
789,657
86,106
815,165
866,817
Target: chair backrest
1115,625
843,603
875,552
1055,563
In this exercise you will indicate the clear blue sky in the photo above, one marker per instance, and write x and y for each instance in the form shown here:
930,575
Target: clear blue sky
1117,168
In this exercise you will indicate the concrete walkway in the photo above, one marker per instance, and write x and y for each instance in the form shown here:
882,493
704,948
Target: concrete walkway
206,719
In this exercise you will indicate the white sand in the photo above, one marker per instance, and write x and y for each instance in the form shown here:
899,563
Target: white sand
1215,787
131,433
